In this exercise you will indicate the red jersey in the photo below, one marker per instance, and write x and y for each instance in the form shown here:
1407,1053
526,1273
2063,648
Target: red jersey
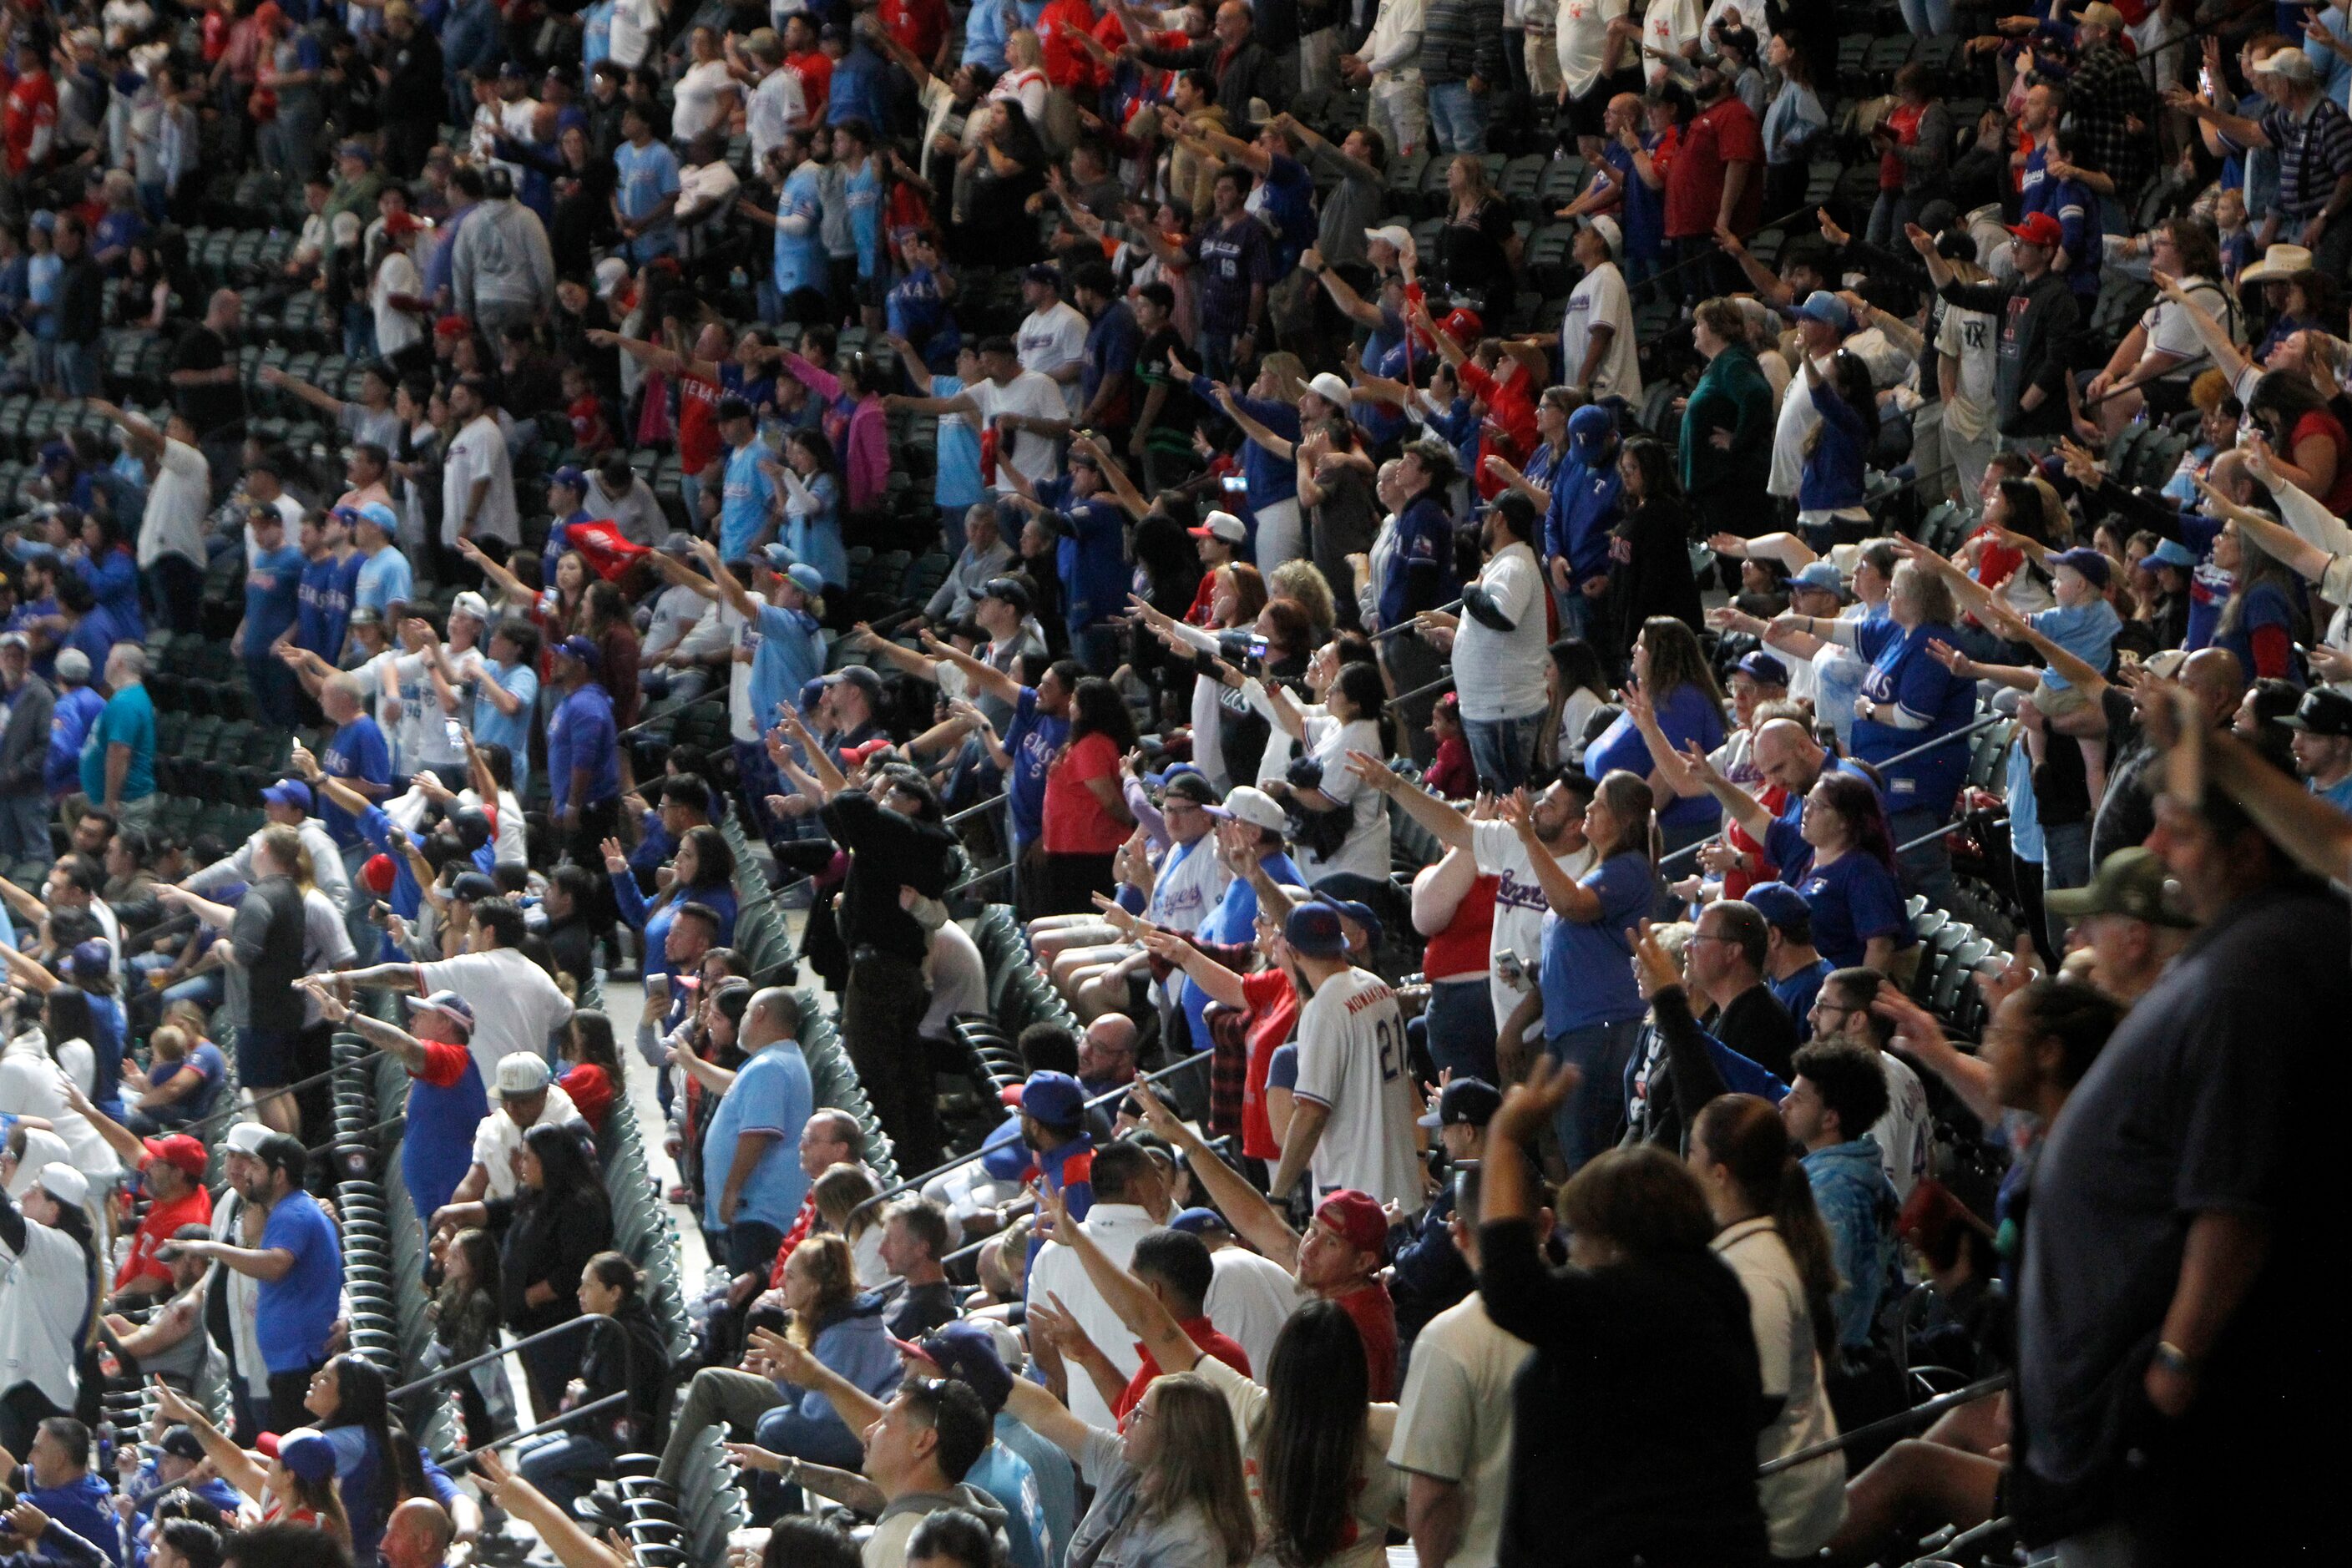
1201,1332
163,1221
920,24
1068,66
590,434
28,124
1726,132
815,71
1274,1013
697,423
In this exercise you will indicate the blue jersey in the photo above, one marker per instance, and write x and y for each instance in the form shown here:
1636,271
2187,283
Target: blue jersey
801,260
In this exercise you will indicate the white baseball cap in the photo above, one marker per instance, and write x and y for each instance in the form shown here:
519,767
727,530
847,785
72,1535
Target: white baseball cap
1332,389
65,1184
247,1138
1614,236
472,604
522,1073
1246,803
42,1147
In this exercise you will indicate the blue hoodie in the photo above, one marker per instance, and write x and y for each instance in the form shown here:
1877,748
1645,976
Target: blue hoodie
84,1506
1587,497
1858,1205
856,1345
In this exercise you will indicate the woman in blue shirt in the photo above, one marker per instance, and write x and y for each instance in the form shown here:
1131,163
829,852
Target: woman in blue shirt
1592,1009
844,1331
1837,453
1850,884
811,486
378,1464
1670,668
1907,699
702,873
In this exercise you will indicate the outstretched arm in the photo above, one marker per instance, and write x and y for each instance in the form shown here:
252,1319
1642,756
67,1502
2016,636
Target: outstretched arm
1253,1219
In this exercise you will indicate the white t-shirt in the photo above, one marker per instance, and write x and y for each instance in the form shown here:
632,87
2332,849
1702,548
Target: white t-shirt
1601,301
326,943
1250,1297
1796,421
173,522
396,329
1970,338
1580,32
634,23
696,106
1116,1229
1191,881
497,1138
958,978
1667,25
1037,456
43,1290
1905,1136
1351,1060
778,105
1454,1419
1365,850
33,1085
479,451
2169,331
1051,338
1500,675
516,1006
1803,1506
1519,903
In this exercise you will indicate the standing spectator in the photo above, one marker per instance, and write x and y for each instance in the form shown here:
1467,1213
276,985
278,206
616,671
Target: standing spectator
1615,1455
1462,66
502,270
1499,644
584,754
2312,135
1354,1124
2113,111
300,1263
1715,183
29,707
516,1006
477,497
1914,143
1727,430
752,1146
80,308
2038,315
118,756
46,1236
645,193
1233,255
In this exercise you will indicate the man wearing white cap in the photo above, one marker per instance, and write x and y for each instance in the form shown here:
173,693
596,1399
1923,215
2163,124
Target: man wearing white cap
1597,346
2313,137
528,1096
44,1295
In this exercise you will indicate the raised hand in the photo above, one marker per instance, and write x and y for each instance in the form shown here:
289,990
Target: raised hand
1527,1107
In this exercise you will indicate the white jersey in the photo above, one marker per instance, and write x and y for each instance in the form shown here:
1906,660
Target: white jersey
1192,882
1905,1134
1351,1060
1520,906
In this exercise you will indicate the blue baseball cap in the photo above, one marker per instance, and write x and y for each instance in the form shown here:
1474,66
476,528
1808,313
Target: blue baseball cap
1356,910
449,1004
1200,1222
1763,668
1826,308
1589,429
581,649
1780,904
2172,553
376,513
1315,930
2095,567
91,960
1055,1098
967,1353
573,474
1819,574
288,792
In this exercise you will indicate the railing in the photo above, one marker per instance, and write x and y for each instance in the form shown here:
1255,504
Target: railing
1893,1425
465,1457
228,1112
443,1374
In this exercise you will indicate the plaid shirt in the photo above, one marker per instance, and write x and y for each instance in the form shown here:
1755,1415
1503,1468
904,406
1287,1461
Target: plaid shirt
2104,93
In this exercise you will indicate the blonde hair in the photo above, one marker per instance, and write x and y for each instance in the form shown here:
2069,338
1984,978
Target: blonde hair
834,1269
1023,49
1302,580
1289,373
841,1194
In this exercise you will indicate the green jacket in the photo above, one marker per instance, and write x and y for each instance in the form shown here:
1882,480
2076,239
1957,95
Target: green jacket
1731,394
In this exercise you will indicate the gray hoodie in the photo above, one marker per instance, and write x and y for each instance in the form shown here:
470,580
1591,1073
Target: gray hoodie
502,266
886,1547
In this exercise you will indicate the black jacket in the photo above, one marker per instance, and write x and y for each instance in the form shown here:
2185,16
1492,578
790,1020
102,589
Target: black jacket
1251,73
418,90
81,301
888,851
2039,321
1634,1423
628,1354
550,1237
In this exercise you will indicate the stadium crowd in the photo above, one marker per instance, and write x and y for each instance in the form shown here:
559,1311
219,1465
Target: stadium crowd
1558,782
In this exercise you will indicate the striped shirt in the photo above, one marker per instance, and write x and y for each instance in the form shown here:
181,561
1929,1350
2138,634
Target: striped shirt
2313,153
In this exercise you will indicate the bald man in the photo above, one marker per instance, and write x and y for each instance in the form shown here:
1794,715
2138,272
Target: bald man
418,1535
1106,1054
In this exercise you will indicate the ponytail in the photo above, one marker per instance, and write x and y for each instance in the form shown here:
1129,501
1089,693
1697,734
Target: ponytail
1745,1135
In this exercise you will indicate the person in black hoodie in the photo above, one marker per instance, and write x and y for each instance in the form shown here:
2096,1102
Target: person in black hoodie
1619,1454
628,1355
413,95
559,1218
2039,320
81,309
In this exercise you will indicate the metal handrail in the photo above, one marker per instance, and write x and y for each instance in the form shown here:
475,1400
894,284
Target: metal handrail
969,812
226,1112
465,1457
1902,1421
914,1183
444,1374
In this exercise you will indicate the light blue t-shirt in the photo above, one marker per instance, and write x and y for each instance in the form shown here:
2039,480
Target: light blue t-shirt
2337,795
1588,966
510,730
385,580
743,506
772,1093
786,654
2087,631
293,1314
956,482
801,260
644,176
596,34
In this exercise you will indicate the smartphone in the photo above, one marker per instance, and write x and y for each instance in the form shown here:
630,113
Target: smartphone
2205,81
455,731
1235,484
1509,970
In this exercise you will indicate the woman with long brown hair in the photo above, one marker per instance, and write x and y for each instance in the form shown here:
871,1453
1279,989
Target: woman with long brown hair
1169,1490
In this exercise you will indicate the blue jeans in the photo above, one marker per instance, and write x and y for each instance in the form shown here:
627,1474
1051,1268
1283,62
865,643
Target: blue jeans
1502,750
1459,1028
564,1464
829,1441
1927,18
77,369
1588,1123
1458,122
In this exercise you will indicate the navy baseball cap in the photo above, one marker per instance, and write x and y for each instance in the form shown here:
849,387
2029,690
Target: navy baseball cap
1200,1222
1465,1102
1779,903
1315,930
966,1352
1763,668
288,792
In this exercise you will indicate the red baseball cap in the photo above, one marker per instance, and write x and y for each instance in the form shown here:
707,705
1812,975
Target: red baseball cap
178,1149
1358,1219
2039,228
379,874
